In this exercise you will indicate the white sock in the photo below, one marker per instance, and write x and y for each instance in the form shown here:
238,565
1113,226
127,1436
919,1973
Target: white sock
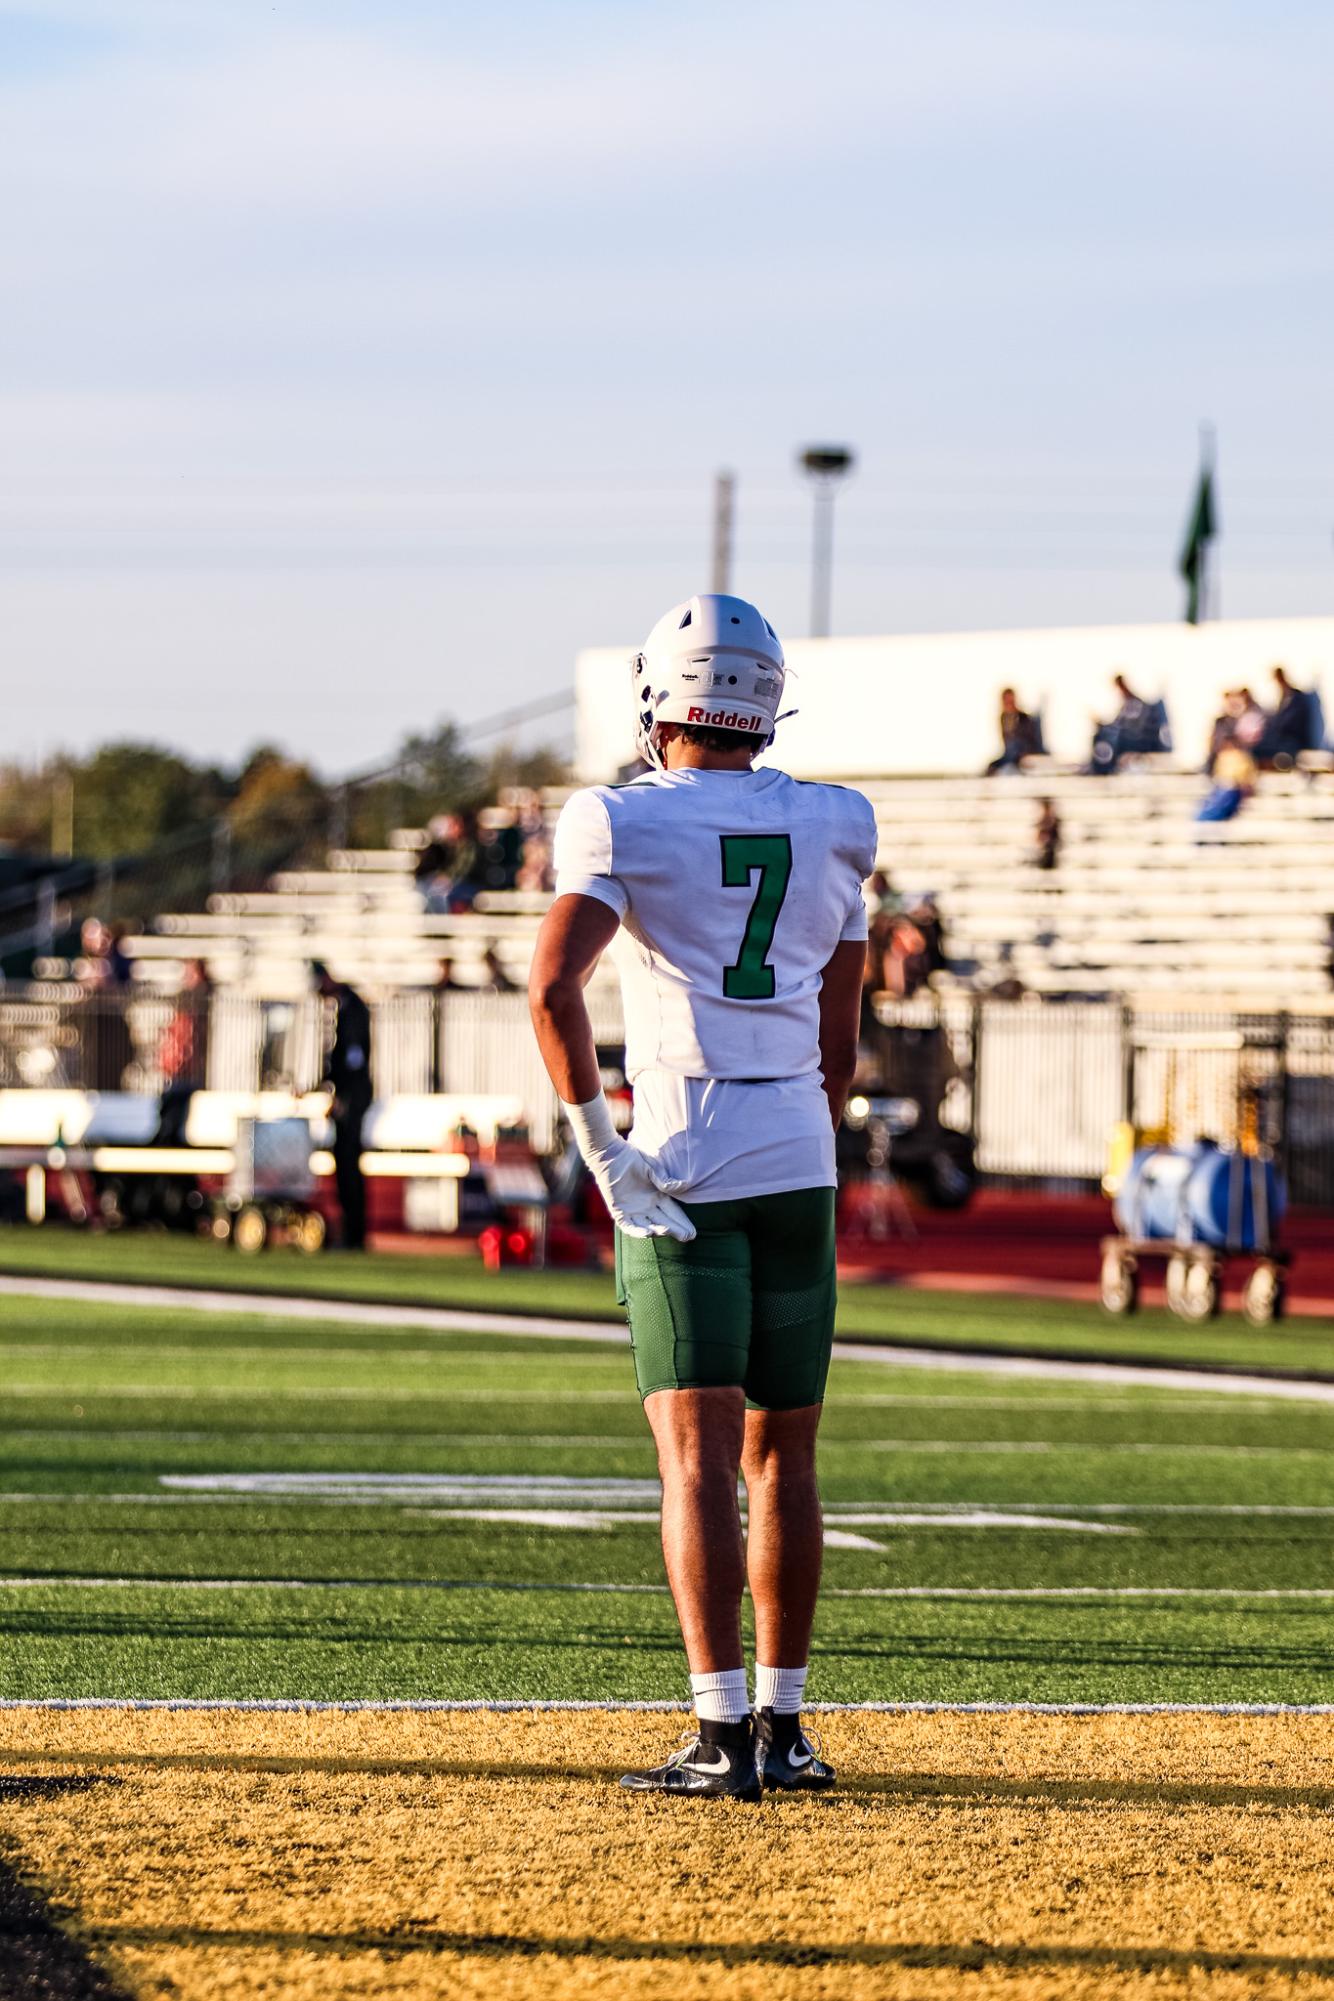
779,1689
721,1698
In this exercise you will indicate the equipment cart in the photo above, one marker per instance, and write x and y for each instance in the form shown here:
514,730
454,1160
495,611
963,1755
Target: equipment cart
1198,1208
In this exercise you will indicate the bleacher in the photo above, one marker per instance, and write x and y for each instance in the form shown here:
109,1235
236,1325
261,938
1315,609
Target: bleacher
1144,900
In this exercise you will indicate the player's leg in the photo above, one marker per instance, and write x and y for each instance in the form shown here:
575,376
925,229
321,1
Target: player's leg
785,1531
793,1277
689,1312
698,1433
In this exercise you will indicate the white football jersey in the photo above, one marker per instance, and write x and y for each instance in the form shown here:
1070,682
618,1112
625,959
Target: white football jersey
733,889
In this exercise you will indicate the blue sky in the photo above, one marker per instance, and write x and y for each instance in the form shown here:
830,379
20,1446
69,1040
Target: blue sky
361,362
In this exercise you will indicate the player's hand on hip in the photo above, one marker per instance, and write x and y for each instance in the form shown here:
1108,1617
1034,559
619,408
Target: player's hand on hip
636,1203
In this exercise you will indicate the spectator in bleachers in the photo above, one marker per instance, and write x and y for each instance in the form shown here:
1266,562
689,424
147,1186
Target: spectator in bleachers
103,972
915,949
1021,735
884,909
1138,727
1234,772
447,867
1291,725
536,872
1047,835
1241,720
497,980
182,1057
884,900
348,1080
925,914
103,960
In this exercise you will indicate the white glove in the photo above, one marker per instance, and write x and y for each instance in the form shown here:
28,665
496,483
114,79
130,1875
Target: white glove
637,1204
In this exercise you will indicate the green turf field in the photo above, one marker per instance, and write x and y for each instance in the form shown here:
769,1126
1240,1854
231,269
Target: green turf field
866,1312
236,1505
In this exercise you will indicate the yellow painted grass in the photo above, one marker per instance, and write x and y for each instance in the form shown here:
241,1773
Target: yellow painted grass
240,1855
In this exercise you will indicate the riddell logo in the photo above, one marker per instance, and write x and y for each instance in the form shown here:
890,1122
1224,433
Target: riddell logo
723,719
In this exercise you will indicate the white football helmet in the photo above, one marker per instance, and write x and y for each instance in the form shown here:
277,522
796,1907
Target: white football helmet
713,660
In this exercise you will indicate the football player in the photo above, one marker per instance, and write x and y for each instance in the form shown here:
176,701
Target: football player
736,894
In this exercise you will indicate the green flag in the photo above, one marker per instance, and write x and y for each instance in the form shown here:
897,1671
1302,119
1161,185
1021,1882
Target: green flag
1203,527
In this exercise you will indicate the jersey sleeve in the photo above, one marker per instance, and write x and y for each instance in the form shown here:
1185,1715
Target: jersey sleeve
583,852
859,848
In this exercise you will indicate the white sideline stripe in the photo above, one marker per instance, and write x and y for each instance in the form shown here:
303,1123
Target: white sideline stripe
446,1320
370,1313
907,1399
931,1592
1039,1591
986,1447
369,1358
583,1441
938,1513
428,1706
318,1584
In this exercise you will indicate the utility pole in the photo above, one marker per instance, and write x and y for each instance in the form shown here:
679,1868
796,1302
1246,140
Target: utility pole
62,815
1210,591
824,466
724,507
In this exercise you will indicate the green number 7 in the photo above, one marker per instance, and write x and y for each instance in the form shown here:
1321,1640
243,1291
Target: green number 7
770,857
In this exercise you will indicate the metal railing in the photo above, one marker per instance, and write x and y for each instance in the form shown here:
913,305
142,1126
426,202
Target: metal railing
1037,1085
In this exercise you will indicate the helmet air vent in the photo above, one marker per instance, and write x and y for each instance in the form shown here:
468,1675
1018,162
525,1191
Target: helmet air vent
685,621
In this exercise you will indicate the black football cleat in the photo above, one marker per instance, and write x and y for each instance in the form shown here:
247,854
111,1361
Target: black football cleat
704,1770
784,1761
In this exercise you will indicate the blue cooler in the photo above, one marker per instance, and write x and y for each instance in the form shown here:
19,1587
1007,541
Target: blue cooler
1201,1195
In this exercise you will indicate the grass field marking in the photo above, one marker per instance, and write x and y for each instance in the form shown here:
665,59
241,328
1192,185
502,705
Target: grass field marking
544,1500
1144,1447
968,1518
930,1592
1078,1591
58,1582
415,1486
287,1306
937,1513
306,1393
426,1706
1165,1376
1001,1447
1166,1397
956,1361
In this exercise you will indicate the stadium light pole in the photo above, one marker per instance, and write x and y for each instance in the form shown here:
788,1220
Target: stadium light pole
724,509
824,466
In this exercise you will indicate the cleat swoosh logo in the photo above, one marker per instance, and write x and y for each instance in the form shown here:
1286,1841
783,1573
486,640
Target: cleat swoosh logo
723,1764
797,1758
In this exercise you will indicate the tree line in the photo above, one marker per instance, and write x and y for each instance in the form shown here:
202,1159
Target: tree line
128,799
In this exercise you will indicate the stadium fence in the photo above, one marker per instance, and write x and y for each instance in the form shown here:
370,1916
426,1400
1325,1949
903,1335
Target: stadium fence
1038,1085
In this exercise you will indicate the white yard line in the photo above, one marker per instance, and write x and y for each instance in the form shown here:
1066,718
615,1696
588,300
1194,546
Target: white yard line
441,1319
426,1706
320,1584
1077,1591
448,1320
943,1593
937,1513
906,1399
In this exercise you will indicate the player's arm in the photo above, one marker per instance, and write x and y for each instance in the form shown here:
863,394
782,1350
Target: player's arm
575,932
840,1014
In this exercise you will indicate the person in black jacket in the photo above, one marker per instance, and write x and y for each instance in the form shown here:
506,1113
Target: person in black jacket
349,1081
